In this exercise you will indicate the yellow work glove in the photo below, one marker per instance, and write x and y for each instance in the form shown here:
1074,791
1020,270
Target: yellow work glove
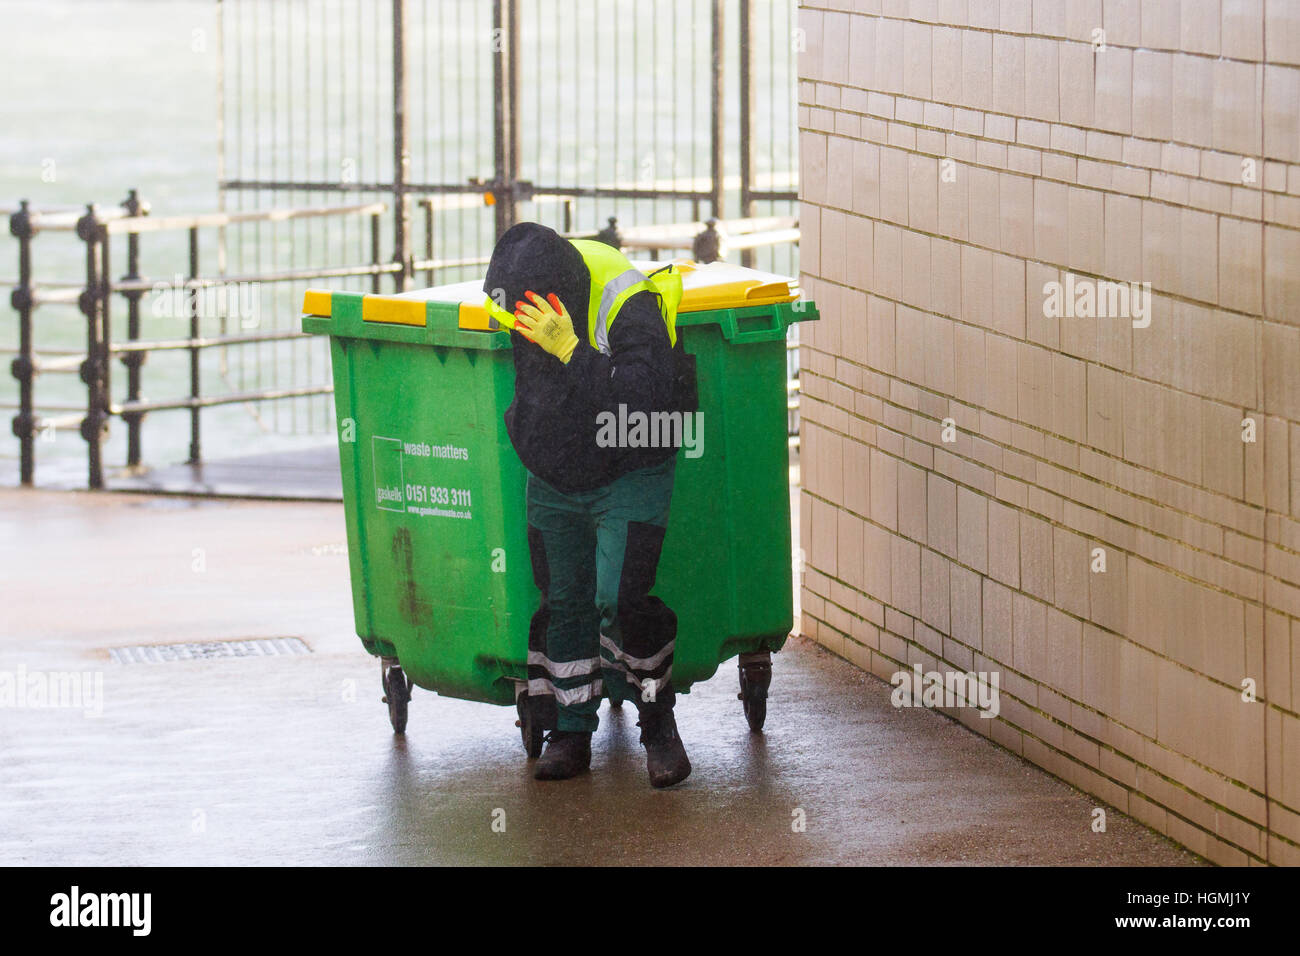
548,324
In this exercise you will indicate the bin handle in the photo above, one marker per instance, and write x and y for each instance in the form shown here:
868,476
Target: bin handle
772,330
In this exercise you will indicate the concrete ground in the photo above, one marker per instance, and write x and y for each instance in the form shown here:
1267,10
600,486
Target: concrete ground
291,760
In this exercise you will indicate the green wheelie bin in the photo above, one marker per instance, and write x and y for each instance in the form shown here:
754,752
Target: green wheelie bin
433,493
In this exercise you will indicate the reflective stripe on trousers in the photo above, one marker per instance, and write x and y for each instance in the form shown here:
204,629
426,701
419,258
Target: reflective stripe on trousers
538,686
589,665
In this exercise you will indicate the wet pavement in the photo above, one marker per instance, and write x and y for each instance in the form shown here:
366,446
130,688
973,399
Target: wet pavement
291,760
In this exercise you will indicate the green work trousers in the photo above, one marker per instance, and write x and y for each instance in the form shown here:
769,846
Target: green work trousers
598,631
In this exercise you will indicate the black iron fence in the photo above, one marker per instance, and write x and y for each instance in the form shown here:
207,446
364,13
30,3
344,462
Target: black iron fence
574,112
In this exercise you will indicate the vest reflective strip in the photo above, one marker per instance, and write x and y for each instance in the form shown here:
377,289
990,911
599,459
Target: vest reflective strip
609,296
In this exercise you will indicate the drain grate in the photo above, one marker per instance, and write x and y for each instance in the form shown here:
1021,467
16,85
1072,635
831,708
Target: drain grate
208,650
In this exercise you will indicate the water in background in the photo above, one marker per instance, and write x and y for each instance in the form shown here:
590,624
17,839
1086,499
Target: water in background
103,95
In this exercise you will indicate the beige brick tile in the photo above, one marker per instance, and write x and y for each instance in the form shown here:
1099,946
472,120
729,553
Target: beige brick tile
1041,85
894,181
1194,99
1160,24
880,334
954,204
1236,116
823,553
935,591
971,369
940,371
1029,643
1114,92
945,277
1008,74
1051,222
833,249
1282,32
905,578
1281,123
1001,356
812,166
1016,203
888,260
1122,20
889,56
1224,459
876,569
866,179
1040,327
1082,17
1240,248
916,269
1108,590
1008,296
912,507
985,213
977,70
1097,175
1004,544
1281,277
1033,133
997,621
1242,29
1024,160
942,515
1198,249
917,67
1200,26
946,64
1122,258
1036,564
1070,561
1153,94
1034,385
1087,230
849,549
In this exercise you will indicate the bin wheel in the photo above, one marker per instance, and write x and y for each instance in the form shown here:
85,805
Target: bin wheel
397,694
754,681
531,735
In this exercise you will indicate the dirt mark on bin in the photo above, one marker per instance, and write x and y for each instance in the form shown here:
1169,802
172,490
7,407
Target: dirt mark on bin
415,609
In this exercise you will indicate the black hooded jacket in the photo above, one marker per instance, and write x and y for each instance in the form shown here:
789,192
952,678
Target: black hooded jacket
553,420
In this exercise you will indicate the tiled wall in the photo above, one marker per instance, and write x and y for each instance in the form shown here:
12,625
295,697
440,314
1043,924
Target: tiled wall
956,156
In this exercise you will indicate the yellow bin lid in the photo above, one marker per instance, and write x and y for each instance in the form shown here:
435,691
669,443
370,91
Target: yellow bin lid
718,285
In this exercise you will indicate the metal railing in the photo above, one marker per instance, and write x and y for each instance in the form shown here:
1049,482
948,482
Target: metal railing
395,42
95,227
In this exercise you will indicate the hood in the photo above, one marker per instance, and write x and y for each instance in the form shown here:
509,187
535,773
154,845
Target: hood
532,256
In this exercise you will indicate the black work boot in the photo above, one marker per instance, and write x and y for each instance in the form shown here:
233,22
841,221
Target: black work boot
568,753
665,757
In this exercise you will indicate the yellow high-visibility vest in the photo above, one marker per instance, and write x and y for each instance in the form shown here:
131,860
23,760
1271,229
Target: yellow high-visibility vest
613,281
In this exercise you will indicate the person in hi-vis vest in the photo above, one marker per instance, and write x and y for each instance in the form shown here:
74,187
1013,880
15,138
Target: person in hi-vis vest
590,334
